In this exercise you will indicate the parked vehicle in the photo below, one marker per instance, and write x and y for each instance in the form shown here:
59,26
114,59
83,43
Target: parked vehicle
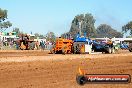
104,47
124,46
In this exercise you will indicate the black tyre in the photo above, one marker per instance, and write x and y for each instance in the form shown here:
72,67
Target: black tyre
81,80
130,50
108,50
78,51
75,50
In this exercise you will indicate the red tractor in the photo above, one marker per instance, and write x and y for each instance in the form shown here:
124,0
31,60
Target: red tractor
25,43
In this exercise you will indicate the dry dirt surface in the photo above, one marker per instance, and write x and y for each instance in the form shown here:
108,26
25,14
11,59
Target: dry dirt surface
38,69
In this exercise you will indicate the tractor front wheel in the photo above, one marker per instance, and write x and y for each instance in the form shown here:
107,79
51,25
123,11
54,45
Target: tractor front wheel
113,50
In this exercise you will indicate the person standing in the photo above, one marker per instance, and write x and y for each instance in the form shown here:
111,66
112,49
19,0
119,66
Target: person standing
42,44
37,45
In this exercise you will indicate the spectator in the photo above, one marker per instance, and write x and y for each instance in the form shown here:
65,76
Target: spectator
11,44
42,45
17,45
37,45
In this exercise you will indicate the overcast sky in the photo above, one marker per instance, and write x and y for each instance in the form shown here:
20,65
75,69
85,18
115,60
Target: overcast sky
42,16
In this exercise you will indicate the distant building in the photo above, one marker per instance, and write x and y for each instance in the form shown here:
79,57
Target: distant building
8,36
39,40
117,40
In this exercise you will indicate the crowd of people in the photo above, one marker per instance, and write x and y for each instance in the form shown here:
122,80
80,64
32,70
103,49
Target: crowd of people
36,45
5,44
43,45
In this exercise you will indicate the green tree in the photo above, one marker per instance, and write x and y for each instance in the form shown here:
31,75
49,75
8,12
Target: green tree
83,23
67,35
3,15
36,35
127,27
17,30
4,24
41,36
105,30
50,36
88,25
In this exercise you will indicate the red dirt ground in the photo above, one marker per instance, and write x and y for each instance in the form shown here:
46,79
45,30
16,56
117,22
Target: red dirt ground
38,69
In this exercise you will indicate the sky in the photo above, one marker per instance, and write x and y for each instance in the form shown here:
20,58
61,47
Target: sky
42,16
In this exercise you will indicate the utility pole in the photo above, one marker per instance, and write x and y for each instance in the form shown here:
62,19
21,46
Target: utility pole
80,27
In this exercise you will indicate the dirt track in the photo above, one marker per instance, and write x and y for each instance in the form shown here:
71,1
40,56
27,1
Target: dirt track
38,69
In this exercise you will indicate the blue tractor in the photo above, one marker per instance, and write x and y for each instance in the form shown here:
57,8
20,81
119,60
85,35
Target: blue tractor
81,44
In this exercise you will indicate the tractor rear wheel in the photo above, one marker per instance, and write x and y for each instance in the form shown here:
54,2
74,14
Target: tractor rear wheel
130,50
64,50
108,50
78,49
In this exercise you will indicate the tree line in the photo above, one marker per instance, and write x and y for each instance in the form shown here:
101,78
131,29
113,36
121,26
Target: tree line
83,23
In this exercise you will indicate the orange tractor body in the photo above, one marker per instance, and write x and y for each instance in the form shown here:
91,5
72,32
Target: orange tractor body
62,46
